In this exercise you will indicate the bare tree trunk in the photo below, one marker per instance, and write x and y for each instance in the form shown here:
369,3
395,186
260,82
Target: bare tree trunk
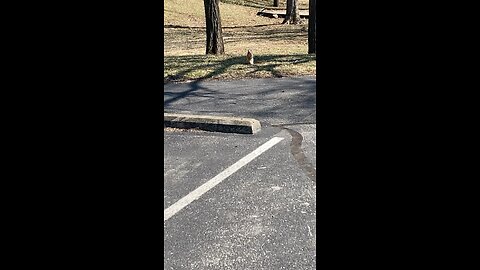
214,27
276,3
312,26
288,10
292,13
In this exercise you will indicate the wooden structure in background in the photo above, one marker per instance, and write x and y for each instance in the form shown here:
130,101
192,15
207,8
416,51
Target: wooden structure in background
280,13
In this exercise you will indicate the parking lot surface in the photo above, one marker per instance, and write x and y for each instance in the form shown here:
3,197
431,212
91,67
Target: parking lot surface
245,205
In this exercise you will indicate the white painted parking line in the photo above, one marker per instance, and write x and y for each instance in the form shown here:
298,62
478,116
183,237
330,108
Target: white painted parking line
194,195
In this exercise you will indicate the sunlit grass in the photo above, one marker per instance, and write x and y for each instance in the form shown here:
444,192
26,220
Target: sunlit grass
279,50
189,67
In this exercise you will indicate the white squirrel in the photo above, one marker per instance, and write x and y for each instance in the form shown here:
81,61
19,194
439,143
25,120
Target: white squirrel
249,57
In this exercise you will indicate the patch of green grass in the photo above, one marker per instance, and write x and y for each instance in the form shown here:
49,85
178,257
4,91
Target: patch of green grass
193,67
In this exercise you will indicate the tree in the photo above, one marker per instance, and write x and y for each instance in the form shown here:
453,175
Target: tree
214,27
312,23
276,3
292,15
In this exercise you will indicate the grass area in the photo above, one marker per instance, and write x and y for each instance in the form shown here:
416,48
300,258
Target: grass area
189,67
303,4
279,50
170,129
191,13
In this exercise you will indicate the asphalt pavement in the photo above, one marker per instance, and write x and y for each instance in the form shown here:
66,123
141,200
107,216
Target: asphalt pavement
242,201
272,101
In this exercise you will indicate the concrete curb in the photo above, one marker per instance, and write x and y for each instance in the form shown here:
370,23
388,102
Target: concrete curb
212,123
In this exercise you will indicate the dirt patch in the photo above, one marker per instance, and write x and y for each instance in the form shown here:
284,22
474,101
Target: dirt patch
170,129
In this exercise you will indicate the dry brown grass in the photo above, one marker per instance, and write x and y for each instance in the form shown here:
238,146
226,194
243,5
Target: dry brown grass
279,50
303,4
171,129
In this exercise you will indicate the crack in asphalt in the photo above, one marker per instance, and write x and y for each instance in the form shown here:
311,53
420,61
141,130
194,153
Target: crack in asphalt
298,154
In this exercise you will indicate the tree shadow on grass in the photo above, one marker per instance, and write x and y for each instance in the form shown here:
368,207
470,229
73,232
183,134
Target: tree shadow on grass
195,89
184,65
284,59
219,68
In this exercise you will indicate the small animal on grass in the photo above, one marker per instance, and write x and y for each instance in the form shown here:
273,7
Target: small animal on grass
250,57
